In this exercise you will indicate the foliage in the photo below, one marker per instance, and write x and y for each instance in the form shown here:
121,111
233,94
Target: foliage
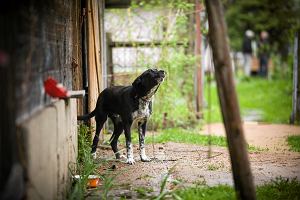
85,165
280,188
169,25
271,97
259,15
294,142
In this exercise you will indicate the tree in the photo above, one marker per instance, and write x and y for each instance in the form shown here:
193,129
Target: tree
279,18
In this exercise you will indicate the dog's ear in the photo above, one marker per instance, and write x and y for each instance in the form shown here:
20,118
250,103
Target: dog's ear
136,82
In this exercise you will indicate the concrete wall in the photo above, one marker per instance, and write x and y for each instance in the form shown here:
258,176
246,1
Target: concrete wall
50,138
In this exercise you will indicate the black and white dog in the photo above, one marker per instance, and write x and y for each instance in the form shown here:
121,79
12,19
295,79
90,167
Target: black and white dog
123,105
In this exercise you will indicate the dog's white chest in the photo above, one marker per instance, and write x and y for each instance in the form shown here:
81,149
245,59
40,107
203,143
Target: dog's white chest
143,112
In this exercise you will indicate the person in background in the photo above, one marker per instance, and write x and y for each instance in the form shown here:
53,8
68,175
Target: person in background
263,53
247,50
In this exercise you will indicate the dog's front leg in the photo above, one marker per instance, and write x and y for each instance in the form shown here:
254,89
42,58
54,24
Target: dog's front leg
142,132
127,127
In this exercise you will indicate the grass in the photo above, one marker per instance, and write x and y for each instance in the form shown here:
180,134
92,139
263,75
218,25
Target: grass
294,142
188,136
272,98
277,189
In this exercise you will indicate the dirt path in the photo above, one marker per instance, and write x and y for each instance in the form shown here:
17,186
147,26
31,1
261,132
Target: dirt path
270,136
191,166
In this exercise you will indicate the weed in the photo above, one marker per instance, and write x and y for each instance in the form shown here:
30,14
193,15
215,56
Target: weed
86,166
294,142
255,149
212,167
143,191
280,188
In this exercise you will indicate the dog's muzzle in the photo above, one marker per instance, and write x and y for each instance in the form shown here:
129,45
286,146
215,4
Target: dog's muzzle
161,75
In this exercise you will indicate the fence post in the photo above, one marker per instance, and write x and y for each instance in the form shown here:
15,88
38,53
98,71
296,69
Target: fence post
295,107
199,91
229,103
109,60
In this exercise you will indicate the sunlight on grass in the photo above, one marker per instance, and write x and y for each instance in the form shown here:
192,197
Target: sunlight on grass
294,142
271,97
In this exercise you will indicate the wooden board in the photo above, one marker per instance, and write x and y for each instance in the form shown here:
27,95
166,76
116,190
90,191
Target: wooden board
94,51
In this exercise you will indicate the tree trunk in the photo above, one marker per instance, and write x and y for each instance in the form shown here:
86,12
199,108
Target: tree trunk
229,103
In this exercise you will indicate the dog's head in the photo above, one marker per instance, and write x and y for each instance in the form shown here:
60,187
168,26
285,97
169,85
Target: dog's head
148,82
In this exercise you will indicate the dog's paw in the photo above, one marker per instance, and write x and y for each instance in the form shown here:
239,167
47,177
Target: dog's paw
145,159
94,155
130,161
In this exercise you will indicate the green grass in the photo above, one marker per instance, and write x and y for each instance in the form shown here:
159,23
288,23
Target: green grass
279,189
294,142
272,98
187,136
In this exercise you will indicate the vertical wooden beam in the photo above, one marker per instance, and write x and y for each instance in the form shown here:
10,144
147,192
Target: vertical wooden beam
94,55
76,57
109,59
199,91
229,103
295,104
298,80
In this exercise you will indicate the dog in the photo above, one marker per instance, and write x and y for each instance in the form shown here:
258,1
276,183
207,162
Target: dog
124,105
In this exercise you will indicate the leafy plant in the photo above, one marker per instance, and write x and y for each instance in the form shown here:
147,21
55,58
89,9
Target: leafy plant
85,165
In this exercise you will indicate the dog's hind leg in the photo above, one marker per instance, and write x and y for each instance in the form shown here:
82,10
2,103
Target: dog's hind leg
100,120
118,129
142,133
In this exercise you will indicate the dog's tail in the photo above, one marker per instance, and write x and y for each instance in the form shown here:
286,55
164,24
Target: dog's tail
87,116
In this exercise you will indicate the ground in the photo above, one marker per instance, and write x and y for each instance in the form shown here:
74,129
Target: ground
189,164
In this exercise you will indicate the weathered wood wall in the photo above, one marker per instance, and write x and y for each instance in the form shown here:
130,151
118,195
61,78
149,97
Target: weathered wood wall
38,39
43,42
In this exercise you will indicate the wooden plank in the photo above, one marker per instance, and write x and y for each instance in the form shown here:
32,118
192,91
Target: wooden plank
199,88
94,55
92,73
242,175
97,44
76,51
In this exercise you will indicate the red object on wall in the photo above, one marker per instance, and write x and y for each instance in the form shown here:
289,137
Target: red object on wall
55,89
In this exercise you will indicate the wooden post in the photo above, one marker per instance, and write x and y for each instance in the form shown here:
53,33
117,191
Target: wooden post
199,91
298,80
94,59
229,103
296,101
109,60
